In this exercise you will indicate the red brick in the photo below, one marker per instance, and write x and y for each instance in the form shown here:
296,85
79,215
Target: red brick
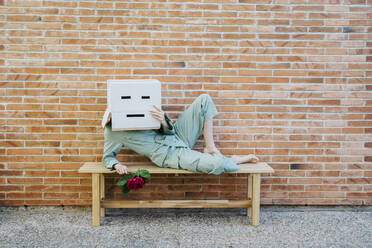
5,173
42,202
188,188
21,180
202,195
305,180
21,195
61,195
5,188
11,202
43,188
23,18
359,194
305,194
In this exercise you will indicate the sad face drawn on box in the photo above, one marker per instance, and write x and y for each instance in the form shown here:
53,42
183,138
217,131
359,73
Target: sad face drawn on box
129,103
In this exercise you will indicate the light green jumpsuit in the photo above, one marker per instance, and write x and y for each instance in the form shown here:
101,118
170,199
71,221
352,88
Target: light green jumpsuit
171,147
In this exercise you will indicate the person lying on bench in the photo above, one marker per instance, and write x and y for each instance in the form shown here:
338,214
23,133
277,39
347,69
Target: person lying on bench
171,145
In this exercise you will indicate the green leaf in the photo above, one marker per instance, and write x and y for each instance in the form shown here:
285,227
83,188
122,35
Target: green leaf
121,181
125,189
127,176
145,173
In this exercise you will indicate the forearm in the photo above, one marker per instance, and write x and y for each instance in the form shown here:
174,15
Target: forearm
110,150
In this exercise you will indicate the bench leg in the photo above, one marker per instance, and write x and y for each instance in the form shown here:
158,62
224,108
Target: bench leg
256,183
102,192
249,194
95,199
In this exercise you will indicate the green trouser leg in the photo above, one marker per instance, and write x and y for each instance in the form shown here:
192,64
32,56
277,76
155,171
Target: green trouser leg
188,128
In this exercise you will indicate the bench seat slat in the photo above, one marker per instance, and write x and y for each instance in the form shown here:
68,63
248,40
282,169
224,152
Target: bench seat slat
98,167
176,203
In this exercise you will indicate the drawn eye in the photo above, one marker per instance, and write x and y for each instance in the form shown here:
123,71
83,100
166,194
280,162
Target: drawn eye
145,97
135,115
125,97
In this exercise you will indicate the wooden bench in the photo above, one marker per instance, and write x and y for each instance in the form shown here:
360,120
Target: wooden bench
99,204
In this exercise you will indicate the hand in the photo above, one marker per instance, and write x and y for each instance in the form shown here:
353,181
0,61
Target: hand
121,169
158,114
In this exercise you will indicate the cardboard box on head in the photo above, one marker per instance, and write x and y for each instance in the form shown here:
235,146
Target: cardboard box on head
129,102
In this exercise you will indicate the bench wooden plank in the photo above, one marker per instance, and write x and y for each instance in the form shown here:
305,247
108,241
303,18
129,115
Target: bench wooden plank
176,203
249,193
95,199
102,192
256,185
98,167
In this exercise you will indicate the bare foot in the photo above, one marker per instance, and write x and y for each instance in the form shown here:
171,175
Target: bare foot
239,159
212,150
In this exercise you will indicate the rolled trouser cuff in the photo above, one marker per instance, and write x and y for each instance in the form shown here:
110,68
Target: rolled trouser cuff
225,165
230,165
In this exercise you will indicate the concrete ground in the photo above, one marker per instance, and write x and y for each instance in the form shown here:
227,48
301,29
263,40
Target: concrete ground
284,226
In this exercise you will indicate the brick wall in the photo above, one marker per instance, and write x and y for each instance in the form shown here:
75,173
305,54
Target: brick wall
291,79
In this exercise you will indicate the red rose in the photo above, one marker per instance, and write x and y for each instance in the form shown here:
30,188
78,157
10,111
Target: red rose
135,182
